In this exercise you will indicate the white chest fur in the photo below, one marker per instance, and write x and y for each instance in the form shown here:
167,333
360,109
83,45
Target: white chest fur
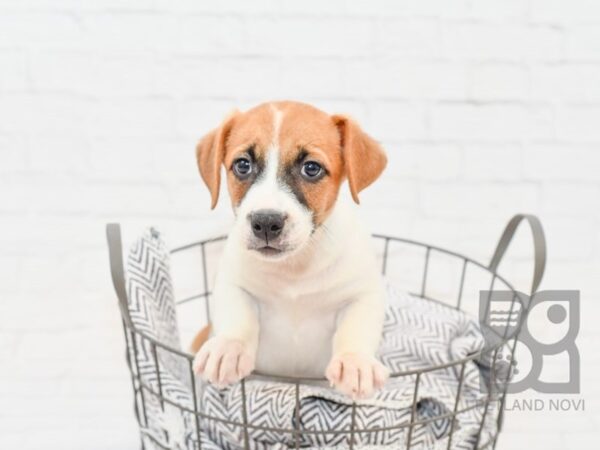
299,301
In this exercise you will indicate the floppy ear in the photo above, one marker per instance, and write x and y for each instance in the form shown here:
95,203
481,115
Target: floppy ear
364,159
210,153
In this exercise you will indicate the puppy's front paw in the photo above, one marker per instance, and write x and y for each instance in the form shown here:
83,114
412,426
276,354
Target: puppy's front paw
356,375
223,361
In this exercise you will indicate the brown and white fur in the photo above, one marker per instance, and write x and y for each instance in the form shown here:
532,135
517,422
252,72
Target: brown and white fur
309,301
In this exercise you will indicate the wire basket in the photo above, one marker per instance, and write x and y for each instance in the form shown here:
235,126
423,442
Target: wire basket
421,279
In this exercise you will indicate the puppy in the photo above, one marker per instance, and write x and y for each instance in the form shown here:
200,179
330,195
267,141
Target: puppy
298,291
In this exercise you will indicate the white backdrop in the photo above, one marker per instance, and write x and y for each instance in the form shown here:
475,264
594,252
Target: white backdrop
486,108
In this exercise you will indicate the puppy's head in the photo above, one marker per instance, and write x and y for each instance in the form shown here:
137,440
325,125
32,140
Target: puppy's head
285,162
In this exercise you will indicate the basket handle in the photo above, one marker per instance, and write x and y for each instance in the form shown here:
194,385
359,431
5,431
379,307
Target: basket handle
115,254
539,246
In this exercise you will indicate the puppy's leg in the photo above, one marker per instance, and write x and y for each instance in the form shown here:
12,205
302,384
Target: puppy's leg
353,369
200,338
230,354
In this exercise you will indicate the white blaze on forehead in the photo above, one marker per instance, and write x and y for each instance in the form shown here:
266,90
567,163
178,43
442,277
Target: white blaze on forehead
277,118
269,177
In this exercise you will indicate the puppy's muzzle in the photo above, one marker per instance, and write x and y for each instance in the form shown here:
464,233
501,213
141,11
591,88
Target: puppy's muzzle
267,224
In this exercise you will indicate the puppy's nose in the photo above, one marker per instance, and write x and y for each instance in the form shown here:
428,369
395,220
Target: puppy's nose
267,223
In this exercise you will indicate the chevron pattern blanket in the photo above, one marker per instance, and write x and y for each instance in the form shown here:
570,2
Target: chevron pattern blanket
417,334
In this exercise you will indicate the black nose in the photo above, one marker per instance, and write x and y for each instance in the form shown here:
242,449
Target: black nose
267,223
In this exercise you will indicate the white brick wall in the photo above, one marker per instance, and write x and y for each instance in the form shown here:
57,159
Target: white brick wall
486,108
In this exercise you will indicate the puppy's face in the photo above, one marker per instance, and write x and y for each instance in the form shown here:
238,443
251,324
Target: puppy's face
285,162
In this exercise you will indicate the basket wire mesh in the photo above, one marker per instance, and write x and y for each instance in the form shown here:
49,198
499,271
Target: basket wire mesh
138,340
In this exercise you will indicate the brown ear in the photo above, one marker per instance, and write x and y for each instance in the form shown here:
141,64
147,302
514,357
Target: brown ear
210,153
364,159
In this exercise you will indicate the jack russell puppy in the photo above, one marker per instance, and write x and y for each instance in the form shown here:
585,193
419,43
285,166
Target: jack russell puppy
298,291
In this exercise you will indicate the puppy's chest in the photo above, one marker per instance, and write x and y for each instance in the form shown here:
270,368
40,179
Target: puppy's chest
296,328
299,295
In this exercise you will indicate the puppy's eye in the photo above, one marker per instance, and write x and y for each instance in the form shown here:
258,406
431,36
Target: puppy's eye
242,167
311,170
